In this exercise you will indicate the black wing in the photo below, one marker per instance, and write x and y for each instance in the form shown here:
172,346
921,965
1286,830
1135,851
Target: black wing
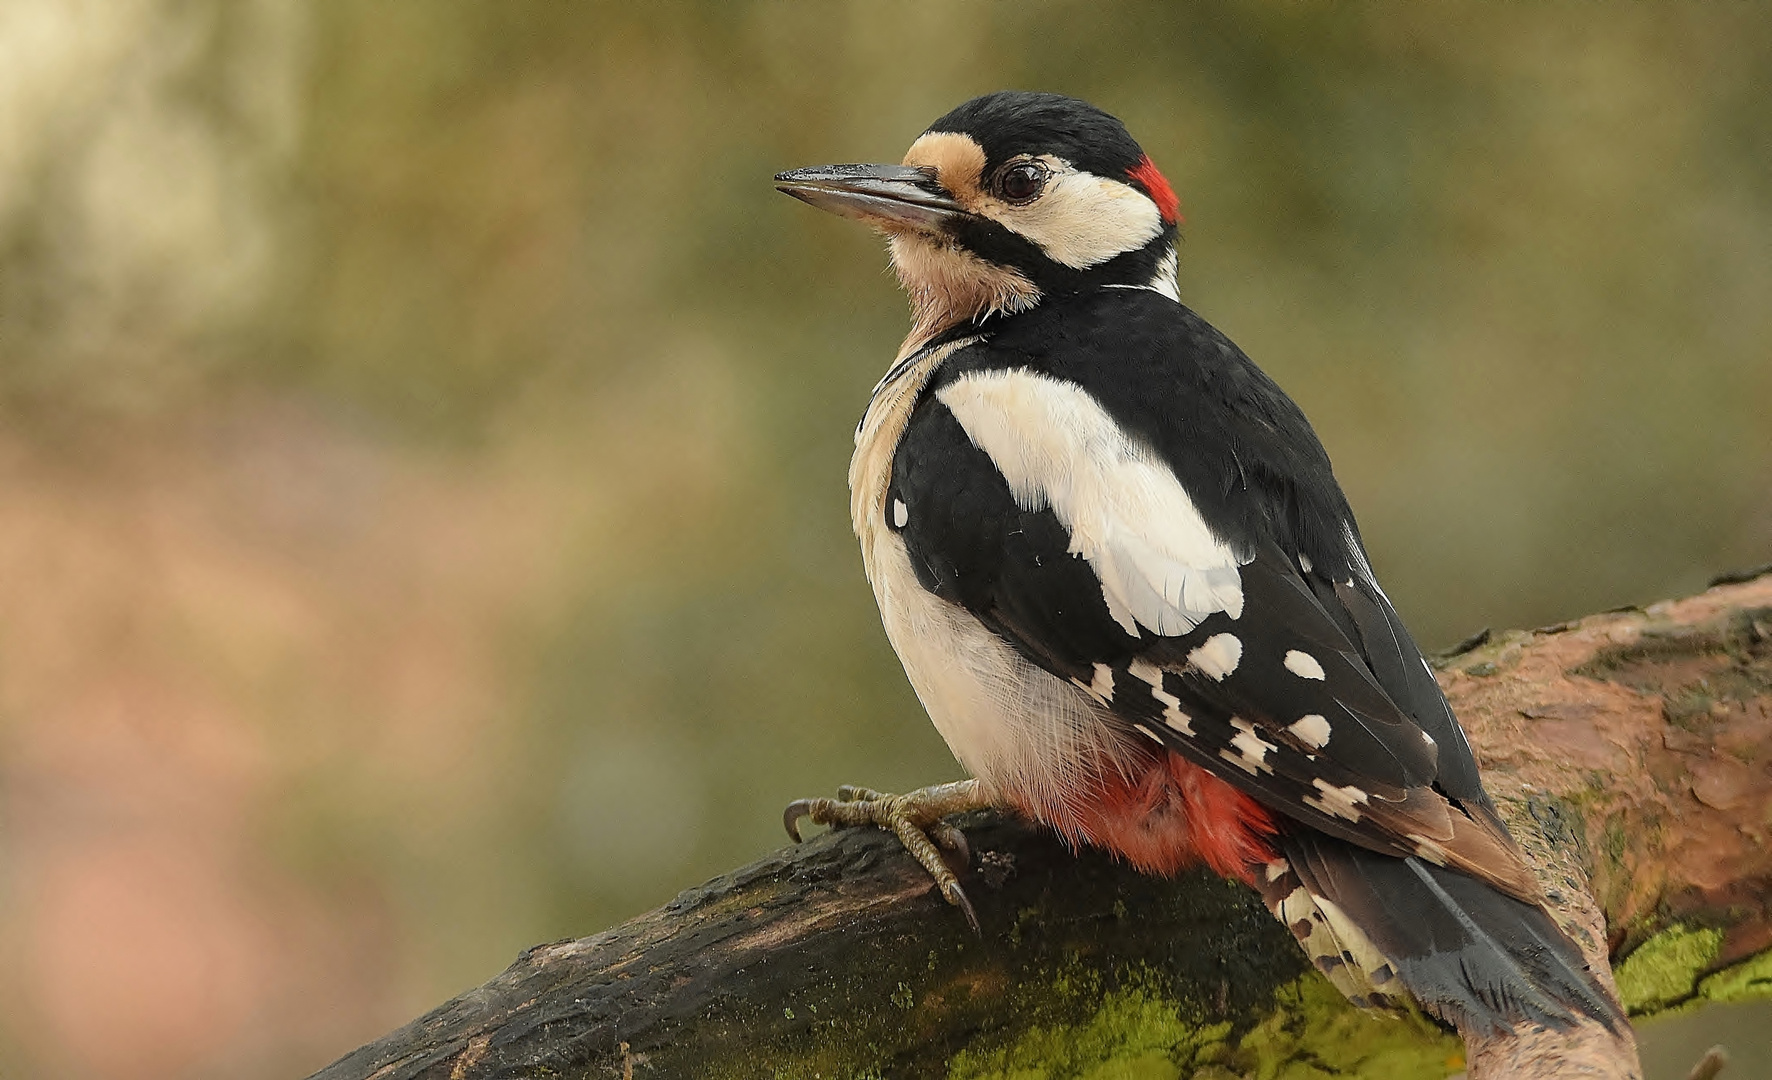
1285,690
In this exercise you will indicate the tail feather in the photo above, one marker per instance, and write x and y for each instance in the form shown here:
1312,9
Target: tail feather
1336,946
1475,957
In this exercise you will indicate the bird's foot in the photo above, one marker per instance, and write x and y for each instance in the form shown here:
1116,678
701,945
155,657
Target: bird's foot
915,818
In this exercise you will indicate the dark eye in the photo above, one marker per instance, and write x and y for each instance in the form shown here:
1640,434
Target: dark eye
1022,181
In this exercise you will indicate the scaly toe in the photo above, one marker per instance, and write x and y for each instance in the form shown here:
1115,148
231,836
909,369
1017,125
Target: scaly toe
915,818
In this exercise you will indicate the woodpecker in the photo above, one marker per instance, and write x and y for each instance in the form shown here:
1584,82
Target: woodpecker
1120,574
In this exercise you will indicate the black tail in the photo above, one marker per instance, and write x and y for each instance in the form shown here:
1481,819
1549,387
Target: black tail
1476,958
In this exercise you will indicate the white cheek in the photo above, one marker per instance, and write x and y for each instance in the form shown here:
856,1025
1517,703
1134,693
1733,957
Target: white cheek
1083,220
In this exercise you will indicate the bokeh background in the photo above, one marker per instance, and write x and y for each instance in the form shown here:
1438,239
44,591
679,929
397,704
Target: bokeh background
423,429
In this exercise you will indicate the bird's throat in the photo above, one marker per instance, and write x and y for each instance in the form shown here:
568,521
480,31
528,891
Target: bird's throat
948,286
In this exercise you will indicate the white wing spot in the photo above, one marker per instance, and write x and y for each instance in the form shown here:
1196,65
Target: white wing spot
1218,657
1426,738
1277,869
1175,718
1149,672
1252,749
900,513
1172,714
1304,562
1153,736
1341,802
1304,665
1312,730
1102,686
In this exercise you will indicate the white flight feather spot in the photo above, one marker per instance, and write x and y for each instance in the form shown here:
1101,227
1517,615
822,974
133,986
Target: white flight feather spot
1148,733
1312,730
1175,718
1342,802
1277,869
1218,657
900,513
1304,665
1161,567
1172,714
1149,672
1252,749
1304,562
1251,754
1102,685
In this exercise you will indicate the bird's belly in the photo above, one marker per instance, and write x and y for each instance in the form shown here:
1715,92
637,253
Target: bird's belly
1043,746
1033,739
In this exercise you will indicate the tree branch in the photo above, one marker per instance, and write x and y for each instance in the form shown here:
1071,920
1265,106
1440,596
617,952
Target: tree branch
1628,750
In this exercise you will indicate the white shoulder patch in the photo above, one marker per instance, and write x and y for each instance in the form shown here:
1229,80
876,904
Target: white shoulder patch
1160,565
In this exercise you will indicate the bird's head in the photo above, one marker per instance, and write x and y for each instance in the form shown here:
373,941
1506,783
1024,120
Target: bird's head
1010,198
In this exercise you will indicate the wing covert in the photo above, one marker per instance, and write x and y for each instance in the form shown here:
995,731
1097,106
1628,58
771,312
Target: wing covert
1053,540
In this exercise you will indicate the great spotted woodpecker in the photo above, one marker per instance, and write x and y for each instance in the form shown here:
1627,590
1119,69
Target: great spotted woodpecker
1121,576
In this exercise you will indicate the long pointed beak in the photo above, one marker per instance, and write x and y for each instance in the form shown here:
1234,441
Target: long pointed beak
890,196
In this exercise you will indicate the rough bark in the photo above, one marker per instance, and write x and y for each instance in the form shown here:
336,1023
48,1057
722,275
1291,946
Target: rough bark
1631,752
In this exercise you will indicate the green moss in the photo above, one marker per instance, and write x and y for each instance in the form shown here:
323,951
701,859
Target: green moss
1664,970
1139,1035
1747,981
1317,1034
1135,1035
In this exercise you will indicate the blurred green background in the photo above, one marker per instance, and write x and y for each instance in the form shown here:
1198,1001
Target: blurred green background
423,429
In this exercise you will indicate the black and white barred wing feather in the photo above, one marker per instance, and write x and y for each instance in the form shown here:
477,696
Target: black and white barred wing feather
1028,504
1021,498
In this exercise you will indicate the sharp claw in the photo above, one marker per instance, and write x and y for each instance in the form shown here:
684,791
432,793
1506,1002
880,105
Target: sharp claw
790,818
953,839
957,897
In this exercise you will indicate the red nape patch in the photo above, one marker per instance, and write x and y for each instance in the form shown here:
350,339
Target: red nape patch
1147,177
1172,814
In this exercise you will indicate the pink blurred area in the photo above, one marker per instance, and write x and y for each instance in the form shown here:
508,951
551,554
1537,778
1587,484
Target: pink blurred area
258,756
193,634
